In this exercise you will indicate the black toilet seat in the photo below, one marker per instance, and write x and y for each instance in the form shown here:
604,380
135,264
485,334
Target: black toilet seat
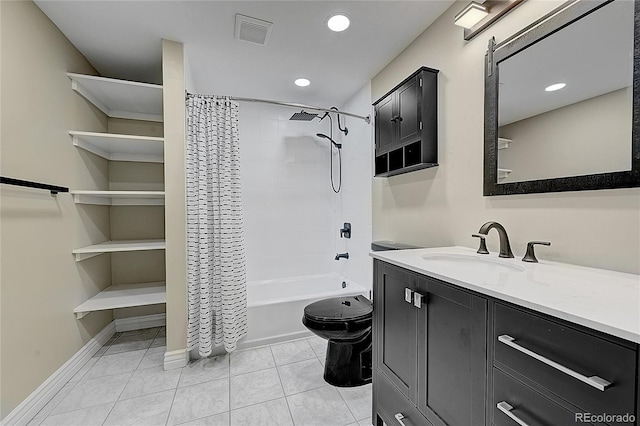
339,314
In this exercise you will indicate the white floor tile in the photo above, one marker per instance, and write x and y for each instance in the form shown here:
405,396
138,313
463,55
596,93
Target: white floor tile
80,374
366,422
87,393
199,401
251,360
132,341
297,350
319,407
359,400
270,413
159,341
150,380
153,358
318,345
92,416
115,364
51,405
301,376
205,370
256,387
217,420
151,410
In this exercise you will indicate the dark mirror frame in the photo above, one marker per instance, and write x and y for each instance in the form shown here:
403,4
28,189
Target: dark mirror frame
544,27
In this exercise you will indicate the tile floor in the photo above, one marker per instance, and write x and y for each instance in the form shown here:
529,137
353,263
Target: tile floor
281,384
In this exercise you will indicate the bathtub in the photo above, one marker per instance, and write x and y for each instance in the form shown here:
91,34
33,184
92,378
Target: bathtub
275,307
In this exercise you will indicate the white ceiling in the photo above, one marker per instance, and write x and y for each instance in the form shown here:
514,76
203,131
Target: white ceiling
122,39
593,56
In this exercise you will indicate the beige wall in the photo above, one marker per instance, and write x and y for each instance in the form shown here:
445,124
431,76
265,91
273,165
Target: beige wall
444,205
40,281
175,193
562,143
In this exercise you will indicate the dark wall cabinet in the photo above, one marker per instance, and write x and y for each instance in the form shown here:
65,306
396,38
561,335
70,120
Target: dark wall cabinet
406,125
448,356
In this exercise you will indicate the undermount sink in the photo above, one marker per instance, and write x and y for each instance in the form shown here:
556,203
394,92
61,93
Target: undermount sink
471,262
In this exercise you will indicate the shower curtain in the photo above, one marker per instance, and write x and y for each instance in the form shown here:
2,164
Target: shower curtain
215,236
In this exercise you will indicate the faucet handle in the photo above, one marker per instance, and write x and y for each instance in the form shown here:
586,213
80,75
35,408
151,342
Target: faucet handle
483,244
530,256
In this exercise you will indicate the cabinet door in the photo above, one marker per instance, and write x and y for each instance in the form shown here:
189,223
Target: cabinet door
386,131
395,327
409,100
452,359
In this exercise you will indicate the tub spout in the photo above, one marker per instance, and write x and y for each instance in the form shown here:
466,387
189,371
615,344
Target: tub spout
341,256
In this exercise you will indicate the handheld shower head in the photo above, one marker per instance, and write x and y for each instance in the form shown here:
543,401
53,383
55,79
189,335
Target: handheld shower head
322,135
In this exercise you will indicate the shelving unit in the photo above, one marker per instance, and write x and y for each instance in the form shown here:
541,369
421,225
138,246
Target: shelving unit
124,296
119,198
503,143
115,147
135,101
120,98
87,252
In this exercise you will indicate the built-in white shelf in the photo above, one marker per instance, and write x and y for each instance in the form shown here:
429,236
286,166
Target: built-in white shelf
124,296
119,198
503,173
117,246
114,147
120,98
503,143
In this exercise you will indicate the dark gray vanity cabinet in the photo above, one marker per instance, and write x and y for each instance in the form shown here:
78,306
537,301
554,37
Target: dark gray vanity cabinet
430,351
406,125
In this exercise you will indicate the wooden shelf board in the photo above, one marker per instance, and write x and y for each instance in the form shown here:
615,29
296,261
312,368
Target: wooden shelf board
119,198
124,296
120,98
117,246
117,147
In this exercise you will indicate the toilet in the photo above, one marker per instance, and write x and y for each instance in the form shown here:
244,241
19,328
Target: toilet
346,323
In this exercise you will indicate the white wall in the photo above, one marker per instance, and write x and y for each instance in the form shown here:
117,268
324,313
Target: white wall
444,205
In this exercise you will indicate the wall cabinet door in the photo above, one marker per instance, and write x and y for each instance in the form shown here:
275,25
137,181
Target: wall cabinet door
395,322
409,111
451,354
386,131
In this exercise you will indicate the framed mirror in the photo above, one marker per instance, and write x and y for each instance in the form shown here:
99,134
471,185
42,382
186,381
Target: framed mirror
562,102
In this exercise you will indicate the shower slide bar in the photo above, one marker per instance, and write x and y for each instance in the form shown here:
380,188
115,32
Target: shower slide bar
367,119
17,182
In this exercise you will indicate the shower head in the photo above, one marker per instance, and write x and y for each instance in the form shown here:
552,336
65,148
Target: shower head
322,135
303,116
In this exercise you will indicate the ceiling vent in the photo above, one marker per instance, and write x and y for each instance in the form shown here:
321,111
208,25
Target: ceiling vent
252,30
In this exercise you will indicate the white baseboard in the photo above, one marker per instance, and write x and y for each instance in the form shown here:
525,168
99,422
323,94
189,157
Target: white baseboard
137,323
176,359
247,344
28,409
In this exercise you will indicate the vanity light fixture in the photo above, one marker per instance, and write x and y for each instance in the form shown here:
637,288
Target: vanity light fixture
338,22
302,82
555,87
479,15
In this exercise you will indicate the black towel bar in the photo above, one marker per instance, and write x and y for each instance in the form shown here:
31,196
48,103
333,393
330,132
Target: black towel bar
52,188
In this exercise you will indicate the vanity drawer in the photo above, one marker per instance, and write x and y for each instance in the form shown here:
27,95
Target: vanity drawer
562,360
390,402
524,404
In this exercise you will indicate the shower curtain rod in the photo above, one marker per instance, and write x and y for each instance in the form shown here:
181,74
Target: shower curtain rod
367,119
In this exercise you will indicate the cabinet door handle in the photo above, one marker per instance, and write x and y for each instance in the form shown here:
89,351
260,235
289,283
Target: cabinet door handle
396,118
399,417
417,300
595,381
506,409
408,295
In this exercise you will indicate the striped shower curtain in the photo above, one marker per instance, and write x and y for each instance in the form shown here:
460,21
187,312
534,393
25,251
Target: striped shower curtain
215,236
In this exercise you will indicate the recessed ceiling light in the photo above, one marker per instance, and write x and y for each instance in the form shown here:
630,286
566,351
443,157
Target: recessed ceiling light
338,22
302,82
555,87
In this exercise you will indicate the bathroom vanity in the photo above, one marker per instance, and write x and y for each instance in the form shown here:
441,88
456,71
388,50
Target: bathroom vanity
467,339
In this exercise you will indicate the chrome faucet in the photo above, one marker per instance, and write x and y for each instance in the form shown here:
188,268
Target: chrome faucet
341,256
505,247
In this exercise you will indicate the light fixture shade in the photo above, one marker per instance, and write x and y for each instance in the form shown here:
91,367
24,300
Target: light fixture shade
471,15
302,82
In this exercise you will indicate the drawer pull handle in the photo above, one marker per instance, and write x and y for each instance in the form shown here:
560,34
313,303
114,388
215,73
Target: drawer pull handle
417,300
399,417
506,409
595,381
408,295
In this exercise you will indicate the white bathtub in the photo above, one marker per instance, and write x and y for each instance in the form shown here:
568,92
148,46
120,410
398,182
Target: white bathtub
275,307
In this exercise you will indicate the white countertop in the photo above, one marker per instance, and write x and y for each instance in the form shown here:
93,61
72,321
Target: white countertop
603,300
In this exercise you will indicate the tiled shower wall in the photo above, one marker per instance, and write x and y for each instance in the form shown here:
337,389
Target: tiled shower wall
292,216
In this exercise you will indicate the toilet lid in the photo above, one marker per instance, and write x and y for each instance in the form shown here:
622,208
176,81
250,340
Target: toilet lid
339,309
